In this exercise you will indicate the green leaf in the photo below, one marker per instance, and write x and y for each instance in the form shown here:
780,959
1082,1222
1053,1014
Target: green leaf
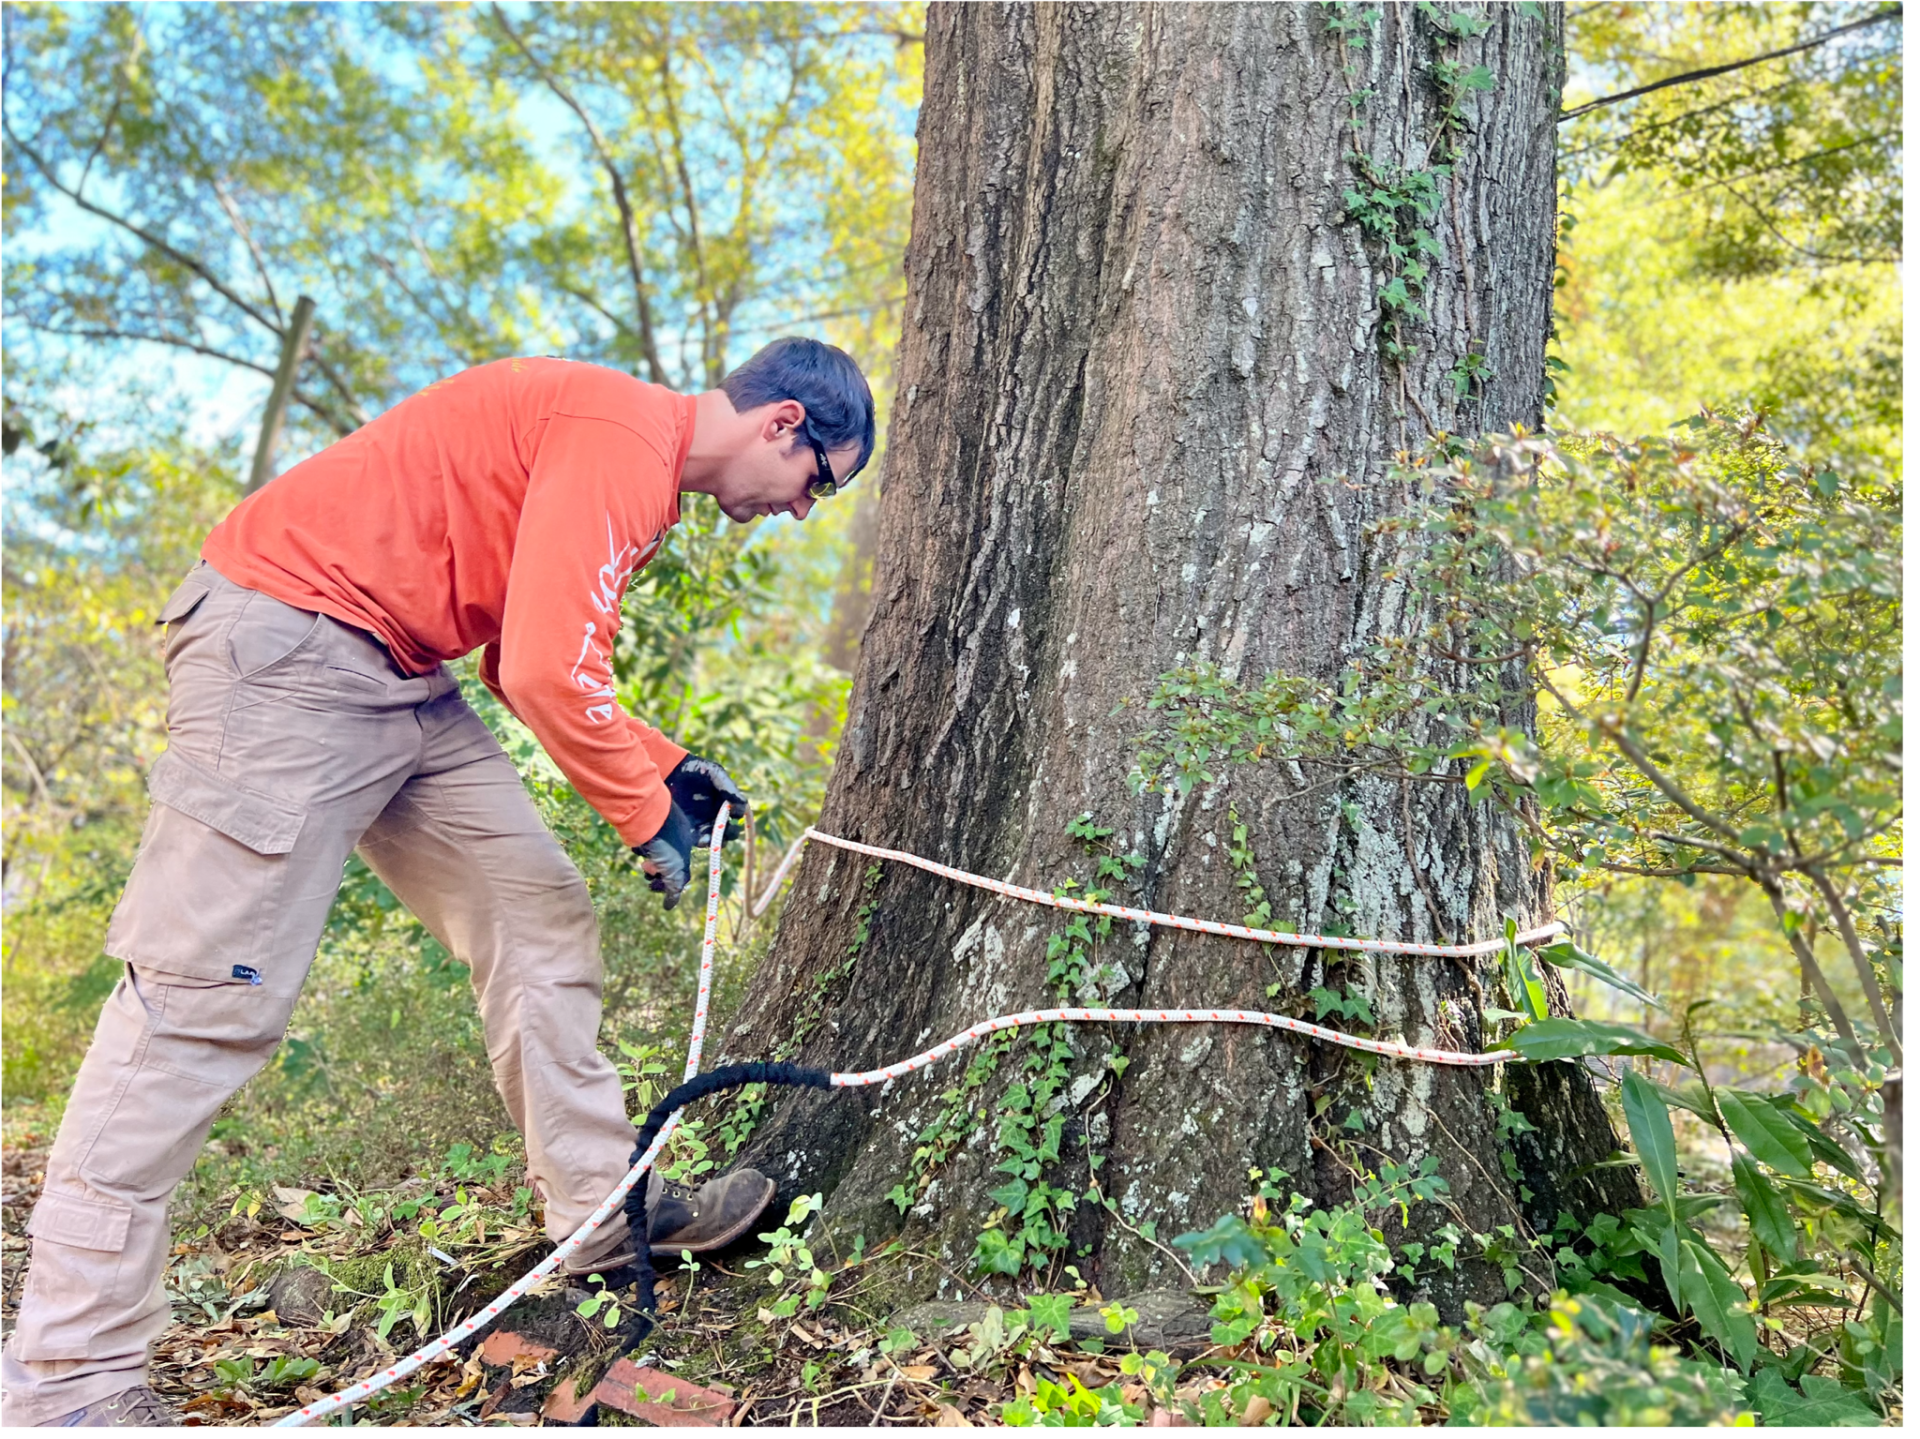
1824,1402
1772,1137
1012,1194
1668,1248
1230,1239
1567,955
1567,1038
1051,1313
1766,1209
1823,1147
1523,981
1652,1134
1691,1096
1716,1301
1531,987
995,1254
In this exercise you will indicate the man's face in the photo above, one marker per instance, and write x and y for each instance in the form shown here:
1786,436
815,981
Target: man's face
772,475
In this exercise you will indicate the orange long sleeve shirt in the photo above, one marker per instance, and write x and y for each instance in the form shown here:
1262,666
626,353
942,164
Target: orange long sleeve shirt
506,507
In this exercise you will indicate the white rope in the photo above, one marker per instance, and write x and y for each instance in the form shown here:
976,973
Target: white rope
518,1290
1469,1059
1149,916
353,1393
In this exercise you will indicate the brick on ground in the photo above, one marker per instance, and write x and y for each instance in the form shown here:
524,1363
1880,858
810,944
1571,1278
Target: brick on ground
692,1407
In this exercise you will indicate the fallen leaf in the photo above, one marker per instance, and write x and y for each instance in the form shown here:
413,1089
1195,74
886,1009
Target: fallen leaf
494,1399
951,1418
291,1203
1258,1411
920,1372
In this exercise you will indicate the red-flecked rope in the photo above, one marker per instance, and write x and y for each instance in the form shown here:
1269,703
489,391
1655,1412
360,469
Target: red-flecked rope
609,1207
1147,916
366,1388
1392,1047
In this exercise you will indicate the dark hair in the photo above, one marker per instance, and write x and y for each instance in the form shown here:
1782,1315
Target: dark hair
824,379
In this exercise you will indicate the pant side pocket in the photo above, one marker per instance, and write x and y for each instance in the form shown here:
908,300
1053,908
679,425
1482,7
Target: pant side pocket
212,867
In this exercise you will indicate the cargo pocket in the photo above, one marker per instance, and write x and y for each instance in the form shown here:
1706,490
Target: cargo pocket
207,884
184,600
70,1292
83,1222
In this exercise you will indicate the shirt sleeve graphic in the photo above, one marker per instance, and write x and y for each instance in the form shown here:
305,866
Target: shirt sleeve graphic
592,672
555,665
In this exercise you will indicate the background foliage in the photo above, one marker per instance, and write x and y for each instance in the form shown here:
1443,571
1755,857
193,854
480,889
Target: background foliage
661,188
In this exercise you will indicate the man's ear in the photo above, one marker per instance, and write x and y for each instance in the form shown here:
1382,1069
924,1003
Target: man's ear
782,415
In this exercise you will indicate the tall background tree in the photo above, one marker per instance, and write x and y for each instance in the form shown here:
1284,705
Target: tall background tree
660,188
452,183
1181,283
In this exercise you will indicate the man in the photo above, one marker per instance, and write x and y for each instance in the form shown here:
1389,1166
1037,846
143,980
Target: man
310,713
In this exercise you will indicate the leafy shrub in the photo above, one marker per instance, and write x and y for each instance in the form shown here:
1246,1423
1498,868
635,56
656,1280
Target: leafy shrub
1599,1367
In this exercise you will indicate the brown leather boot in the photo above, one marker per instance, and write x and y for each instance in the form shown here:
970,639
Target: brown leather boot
708,1218
136,1408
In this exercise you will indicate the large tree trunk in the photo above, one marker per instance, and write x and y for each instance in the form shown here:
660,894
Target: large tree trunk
1144,414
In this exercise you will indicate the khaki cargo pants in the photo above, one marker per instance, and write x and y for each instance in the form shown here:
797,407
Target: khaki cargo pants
292,740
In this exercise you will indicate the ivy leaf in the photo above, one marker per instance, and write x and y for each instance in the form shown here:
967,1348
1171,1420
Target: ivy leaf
1766,1209
996,1254
1230,1240
1567,1038
1566,955
1051,1313
1652,1134
1767,1132
1012,1195
1824,1402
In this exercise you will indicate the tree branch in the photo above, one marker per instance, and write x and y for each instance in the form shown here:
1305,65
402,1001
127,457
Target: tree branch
1766,222
1810,970
253,249
180,257
629,226
1667,787
709,346
1672,871
1690,76
1725,851
1869,982
33,770
593,304
325,412
333,377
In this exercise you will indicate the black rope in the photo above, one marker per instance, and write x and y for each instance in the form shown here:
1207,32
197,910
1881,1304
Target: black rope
727,1076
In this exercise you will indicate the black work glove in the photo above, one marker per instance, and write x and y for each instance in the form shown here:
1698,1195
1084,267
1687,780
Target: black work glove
700,787
671,853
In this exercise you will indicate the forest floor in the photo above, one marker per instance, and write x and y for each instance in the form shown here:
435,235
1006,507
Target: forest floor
259,1330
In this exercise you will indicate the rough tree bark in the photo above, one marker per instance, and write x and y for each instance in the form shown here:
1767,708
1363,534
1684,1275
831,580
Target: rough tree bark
1143,418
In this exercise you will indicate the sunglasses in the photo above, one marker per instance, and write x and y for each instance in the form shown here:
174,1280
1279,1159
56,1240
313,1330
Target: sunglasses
825,487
